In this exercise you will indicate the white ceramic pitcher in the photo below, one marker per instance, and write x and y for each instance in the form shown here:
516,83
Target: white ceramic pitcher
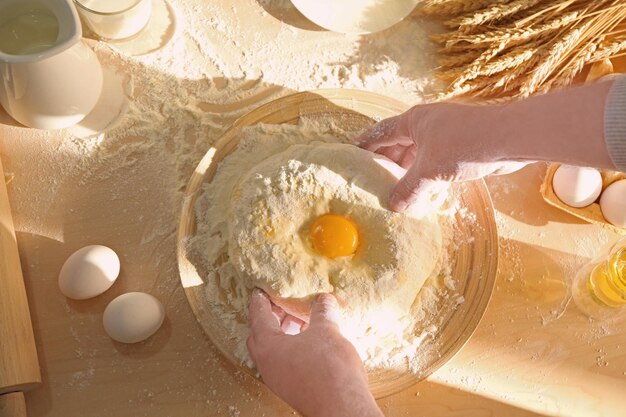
49,79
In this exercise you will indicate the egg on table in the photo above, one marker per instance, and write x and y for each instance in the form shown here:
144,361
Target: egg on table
133,317
89,272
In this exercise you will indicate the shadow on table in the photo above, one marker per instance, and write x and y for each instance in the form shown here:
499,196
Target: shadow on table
531,298
518,195
533,345
431,398
123,188
287,13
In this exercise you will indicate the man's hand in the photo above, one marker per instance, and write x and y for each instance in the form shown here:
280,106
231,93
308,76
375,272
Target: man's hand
444,142
436,145
317,371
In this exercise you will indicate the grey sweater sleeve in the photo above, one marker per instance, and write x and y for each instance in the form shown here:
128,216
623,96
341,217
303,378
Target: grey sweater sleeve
615,123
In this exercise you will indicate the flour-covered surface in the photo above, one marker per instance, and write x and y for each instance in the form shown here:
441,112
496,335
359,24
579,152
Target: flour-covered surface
386,321
118,180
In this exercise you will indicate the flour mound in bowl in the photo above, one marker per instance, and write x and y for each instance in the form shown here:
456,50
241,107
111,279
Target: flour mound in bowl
271,211
405,344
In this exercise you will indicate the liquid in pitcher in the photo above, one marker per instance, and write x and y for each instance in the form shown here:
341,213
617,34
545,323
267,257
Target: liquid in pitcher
27,30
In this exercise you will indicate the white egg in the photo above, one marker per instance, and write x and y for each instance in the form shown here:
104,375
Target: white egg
133,317
89,272
577,186
613,203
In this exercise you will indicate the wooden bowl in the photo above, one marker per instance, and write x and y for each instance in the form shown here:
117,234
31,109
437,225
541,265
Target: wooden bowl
474,260
591,213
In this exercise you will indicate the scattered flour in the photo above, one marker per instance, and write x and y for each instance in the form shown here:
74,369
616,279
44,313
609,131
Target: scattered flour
273,206
120,179
403,345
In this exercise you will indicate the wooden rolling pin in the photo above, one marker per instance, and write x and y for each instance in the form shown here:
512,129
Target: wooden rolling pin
19,367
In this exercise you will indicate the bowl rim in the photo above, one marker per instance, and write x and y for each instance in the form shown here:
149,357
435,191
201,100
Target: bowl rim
193,189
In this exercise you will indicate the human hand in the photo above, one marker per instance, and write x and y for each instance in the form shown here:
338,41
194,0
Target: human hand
437,144
318,371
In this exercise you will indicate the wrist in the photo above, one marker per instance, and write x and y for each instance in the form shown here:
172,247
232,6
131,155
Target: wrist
460,132
565,126
349,401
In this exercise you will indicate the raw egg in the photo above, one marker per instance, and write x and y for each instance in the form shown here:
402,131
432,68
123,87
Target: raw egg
577,186
333,236
133,317
613,203
89,272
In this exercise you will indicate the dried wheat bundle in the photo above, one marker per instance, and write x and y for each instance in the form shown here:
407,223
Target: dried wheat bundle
515,48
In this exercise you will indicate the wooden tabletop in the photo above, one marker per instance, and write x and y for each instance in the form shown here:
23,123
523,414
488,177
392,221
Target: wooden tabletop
534,353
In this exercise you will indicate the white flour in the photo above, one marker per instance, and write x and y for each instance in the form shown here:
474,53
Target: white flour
227,294
118,178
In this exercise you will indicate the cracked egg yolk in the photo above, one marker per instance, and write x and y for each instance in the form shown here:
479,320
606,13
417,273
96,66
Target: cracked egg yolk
333,236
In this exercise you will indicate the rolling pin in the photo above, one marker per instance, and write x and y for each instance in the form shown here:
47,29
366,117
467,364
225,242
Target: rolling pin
19,367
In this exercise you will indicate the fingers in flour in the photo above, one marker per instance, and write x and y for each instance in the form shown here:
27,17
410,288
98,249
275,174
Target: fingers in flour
324,310
291,325
278,313
408,158
395,152
387,132
417,189
262,320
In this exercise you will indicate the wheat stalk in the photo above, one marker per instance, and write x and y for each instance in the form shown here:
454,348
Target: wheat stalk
465,88
475,67
569,72
516,48
444,8
550,57
541,12
503,64
511,33
490,14
608,49
606,22
508,82
458,60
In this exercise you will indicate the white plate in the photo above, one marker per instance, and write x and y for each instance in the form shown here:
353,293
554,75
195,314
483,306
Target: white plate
355,16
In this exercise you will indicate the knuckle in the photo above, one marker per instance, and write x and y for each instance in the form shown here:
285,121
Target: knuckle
257,348
406,189
252,348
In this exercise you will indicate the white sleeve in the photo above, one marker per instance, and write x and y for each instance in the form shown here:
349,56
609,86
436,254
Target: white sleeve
615,123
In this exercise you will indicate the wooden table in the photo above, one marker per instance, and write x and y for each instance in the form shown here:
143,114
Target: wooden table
532,354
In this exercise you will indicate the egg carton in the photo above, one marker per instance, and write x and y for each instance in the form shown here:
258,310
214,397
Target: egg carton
591,213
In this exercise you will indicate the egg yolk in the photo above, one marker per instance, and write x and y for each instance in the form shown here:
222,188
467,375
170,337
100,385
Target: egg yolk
333,236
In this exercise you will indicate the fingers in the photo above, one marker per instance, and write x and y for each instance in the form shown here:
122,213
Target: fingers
291,325
409,157
387,132
509,167
417,189
287,323
263,321
278,313
395,152
324,310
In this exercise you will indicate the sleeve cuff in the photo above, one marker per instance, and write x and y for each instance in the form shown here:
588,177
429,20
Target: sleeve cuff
615,123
